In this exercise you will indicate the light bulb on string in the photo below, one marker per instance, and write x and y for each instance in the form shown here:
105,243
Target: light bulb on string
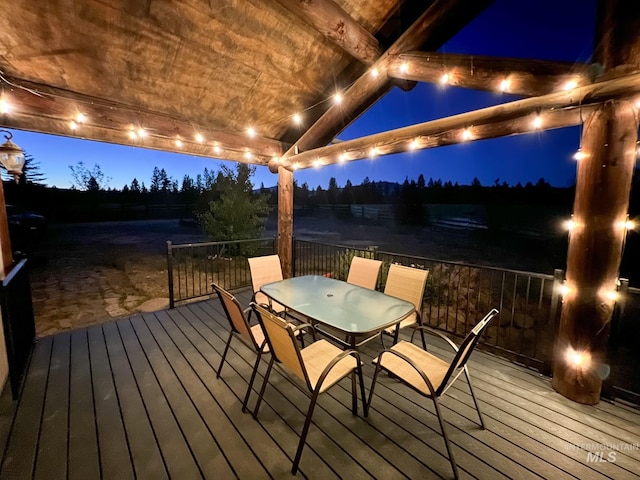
570,85
466,134
5,107
404,68
580,154
375,72
251,132
444,79
297,119
73,125
504,85
178,142
199,138
337,98
537,122
216,148
342,157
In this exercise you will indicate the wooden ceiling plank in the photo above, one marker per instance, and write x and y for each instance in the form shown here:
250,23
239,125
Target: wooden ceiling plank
439,22
521,76
491,122
334,23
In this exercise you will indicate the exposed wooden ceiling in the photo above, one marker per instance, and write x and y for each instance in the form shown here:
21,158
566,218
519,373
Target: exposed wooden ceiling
179,68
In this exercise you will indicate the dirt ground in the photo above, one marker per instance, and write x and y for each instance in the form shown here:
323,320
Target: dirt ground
90,273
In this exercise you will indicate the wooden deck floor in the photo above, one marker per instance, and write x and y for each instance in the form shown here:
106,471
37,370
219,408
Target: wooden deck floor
138,398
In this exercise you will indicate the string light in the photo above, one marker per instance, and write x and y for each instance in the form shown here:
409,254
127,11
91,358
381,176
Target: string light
611,295
216,148
251,132
569,224
337,98
404,68
578,359
414,144
4,106
629,225
579,155
248,155
141,133
132,134
466,134
342,157
504,85
570,85
444,79
296,166
564,290
81,117
375,73
73,125
178,142
317,163
537,122
373,152
199,138
297,119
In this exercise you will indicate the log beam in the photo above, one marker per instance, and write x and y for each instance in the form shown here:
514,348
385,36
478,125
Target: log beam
442,20
285,221
508,75
334,23
51,110
438,23
556,110
603,187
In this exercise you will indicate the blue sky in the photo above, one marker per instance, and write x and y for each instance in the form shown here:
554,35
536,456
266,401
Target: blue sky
506,28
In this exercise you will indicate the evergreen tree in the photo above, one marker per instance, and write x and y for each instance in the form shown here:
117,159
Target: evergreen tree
135,186
156,180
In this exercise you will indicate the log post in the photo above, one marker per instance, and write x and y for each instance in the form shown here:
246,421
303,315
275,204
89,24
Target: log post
6,256
603,187
285,220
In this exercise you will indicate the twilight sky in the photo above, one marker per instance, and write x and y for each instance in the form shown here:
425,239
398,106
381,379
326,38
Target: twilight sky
559,30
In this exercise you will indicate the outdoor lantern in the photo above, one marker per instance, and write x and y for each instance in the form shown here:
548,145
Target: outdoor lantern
11,156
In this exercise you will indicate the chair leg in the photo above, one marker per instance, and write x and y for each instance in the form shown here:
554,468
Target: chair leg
354,394
253,377
305,430
373,384
224,354
446,440
365,407
262,389
473,395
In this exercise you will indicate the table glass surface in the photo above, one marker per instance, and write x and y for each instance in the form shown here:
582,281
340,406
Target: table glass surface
349,308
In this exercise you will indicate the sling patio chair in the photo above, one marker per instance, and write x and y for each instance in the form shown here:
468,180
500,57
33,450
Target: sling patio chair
429,375
252,336
265,269
364,272
408,284
317,367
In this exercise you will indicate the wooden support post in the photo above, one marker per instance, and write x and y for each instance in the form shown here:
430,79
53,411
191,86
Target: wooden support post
285,220
595,249
603,187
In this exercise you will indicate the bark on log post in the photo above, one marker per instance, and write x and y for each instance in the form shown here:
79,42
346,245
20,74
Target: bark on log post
595,250
285,220
603,187
6,255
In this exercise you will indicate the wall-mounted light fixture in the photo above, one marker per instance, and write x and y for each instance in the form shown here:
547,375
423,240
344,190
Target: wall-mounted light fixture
11,156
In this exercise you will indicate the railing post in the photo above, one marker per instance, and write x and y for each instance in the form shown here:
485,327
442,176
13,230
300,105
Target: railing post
170,274
552,322
294,256
613,342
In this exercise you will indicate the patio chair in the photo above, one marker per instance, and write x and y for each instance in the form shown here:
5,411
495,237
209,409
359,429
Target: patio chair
318,366
408,284
265,270
252,336
430,375
364,272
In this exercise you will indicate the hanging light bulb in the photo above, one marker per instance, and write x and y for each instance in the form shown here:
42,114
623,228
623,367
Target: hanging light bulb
199,138
504,85
414,144
342,157
580,154
178,142
444,79
142,133
570,85
216,148
537,122
297,119
337,98
317,163
248,155
375,72
81,117
569,224
251,132
132,134
404,68
4,106
73,125
466,134
373,152
629,225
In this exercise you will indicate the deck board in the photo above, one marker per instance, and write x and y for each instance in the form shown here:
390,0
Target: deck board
139,398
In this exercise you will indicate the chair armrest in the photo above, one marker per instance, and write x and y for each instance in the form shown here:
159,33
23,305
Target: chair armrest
333,363
436,333
300,326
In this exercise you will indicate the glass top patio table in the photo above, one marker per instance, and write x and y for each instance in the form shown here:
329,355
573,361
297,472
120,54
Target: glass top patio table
350,309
